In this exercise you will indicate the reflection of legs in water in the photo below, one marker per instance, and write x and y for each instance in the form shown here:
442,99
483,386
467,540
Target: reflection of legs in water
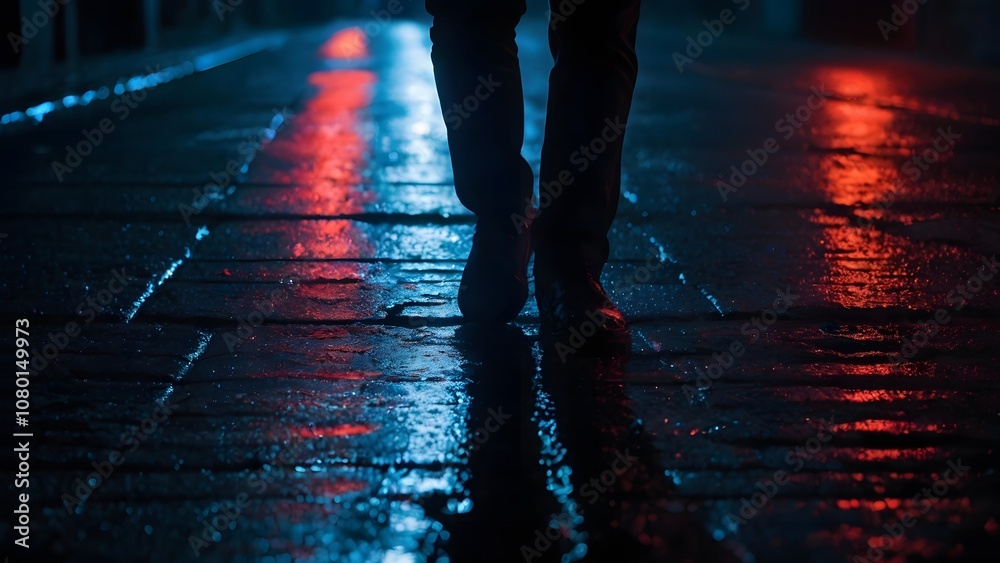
479,84
503,499
617,478
595,427
590,95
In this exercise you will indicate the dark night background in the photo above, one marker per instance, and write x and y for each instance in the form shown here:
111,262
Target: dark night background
243,288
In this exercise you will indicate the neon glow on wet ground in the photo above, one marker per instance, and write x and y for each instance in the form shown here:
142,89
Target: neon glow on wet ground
304,321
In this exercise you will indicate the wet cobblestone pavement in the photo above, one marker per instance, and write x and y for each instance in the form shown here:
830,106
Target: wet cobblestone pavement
278,359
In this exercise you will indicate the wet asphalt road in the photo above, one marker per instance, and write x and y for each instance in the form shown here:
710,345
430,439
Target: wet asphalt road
279,360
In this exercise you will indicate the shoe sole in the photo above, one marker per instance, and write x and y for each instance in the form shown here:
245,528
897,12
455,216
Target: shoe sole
489,311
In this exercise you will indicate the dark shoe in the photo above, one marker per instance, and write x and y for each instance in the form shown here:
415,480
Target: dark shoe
495,281
576,313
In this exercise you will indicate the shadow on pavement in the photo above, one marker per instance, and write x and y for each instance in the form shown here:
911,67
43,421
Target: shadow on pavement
560,469
618,485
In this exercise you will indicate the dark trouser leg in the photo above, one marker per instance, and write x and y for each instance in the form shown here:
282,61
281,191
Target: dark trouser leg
479,84
590,94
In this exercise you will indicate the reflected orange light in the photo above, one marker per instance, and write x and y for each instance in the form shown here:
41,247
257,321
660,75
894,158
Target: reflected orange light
320,167
889,426
860,126
324,149
350,43
333,431
332,489
353,375
323,157
888,395
885,454
853,83
320,161
858,129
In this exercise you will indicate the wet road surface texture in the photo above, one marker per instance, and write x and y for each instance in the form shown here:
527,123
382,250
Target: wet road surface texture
260,259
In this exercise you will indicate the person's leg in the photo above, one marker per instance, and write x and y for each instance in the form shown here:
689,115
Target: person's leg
590,94
479,84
